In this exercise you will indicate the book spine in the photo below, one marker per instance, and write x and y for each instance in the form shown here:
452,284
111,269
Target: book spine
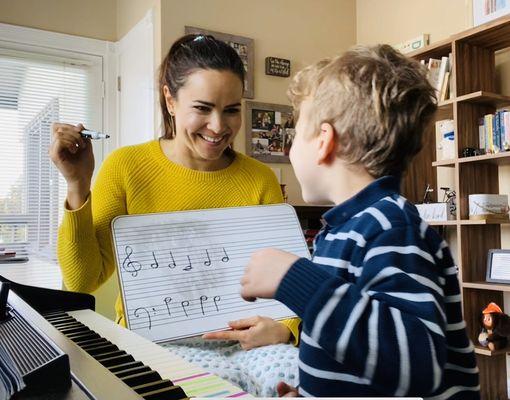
481,134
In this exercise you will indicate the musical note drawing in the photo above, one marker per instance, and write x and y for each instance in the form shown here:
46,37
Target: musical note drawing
155,264
202,300
216,299
225,257
143,309
131,266
167,301
188,267
172,264
185,303
208,262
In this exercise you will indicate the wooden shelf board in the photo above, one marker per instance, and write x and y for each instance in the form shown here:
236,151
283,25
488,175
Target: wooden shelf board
494,35
442,223
444,163
498,158
499,287
483,97
486,352
433,50
446,104
482,222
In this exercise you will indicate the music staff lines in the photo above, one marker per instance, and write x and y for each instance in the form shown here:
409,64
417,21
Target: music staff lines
145,319
133,264
164,291
131,286
179,226
196,267
198,250
212,233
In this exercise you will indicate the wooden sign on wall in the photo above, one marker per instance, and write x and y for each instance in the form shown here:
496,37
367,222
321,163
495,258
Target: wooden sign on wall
277,67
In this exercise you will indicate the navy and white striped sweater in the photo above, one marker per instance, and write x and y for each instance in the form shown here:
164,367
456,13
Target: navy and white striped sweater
380,305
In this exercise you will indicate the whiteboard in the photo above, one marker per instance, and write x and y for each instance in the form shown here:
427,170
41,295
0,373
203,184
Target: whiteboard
180,272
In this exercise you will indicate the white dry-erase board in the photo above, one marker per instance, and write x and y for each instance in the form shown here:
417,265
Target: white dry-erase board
180,272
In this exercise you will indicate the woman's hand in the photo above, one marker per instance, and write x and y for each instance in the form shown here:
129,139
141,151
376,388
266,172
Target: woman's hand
285,390
253,332
73,157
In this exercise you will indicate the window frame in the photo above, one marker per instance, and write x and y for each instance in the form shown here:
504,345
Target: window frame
68,47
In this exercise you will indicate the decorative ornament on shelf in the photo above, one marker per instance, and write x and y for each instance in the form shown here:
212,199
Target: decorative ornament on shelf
495,328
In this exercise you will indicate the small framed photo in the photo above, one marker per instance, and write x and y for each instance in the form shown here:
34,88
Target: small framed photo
498,266
243,46
269,131
488,10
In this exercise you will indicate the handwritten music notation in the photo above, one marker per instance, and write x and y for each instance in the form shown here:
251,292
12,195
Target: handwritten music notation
132,266
180,272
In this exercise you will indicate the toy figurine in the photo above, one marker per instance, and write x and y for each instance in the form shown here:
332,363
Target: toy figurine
495,328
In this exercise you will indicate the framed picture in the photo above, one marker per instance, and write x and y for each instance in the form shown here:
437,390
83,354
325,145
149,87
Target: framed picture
498,266
243,46
269,131
487,10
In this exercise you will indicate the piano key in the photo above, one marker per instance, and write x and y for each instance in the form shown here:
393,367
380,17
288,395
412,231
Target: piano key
141,377
77,329
83,335
85,341
100,342
195,381
102,350
131,371
60,324
147,387
110,361
171,393
55,314
122,367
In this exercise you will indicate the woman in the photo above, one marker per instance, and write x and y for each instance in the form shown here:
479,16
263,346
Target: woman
191,167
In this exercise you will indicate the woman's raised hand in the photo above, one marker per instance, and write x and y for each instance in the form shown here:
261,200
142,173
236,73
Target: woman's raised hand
73,157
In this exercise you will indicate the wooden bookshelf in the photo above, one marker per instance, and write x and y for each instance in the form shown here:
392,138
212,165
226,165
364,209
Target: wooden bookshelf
474,95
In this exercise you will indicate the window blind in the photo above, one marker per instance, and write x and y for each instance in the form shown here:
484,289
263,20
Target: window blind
35,91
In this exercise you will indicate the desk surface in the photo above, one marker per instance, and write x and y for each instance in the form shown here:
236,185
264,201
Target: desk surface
34,272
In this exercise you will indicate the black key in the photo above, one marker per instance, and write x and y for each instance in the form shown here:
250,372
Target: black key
100,342
141,378
77,329
80,336
131,371
169,393
83,342
63,324
122,367
56,314
102,350
120,359
56,320
149,387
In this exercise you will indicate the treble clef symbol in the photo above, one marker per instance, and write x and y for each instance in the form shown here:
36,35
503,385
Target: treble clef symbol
131,266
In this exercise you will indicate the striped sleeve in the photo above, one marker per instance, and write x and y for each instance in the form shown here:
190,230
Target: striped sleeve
369,324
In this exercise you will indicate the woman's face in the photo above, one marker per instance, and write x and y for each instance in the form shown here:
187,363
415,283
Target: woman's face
207,112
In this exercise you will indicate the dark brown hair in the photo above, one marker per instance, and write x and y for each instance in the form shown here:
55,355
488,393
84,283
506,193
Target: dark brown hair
187,55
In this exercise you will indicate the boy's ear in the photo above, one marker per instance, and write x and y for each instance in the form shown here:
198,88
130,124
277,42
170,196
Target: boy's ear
326,143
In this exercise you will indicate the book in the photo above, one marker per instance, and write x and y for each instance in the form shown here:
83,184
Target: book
445,88
434,66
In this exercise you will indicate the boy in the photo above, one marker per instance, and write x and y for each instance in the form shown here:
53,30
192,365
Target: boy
380,299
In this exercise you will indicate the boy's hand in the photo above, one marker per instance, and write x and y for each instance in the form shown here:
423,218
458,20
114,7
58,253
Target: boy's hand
264,273
253,332
285,390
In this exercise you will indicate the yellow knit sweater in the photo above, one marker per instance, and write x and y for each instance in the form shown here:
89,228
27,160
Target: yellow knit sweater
141,179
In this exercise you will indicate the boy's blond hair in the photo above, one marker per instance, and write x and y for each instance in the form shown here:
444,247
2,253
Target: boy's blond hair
379,102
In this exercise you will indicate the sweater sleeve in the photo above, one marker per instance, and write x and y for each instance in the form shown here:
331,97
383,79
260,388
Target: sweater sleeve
371,325
85,250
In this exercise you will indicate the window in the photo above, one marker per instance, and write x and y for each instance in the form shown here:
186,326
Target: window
35,90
